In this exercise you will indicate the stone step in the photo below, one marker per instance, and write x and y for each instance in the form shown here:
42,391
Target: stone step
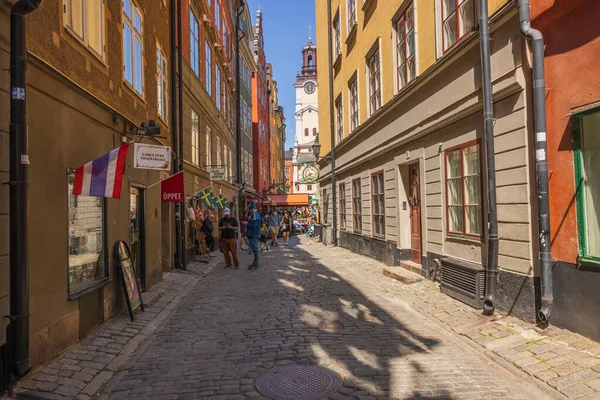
402,275
411,266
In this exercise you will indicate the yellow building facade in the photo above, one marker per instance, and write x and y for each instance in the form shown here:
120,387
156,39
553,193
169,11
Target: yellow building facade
411,185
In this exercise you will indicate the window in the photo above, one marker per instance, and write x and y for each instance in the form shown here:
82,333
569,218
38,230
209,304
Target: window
337,36
309,188
342,206
217,15
87,240
218,99
195,139
356,206
85,19
314,131
405,47
219,152
353,88
163,88
463,190
208,66
251,165
458,18
194,44
133,48
325,205
351,14
208,147
305,131
587,152
374,82
339,112
378,199
287,170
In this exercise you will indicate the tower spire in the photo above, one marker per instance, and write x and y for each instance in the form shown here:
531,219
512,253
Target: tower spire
310,35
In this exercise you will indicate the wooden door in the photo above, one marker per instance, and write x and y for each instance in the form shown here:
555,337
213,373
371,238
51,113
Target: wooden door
415,213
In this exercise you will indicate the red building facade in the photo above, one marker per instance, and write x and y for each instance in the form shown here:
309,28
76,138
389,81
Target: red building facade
260,111
572,54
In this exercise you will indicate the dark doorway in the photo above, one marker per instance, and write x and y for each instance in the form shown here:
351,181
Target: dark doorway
137,234
415,213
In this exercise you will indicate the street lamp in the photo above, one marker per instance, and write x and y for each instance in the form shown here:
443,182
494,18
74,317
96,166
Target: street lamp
316,148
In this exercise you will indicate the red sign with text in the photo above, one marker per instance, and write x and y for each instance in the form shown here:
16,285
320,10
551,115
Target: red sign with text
171,189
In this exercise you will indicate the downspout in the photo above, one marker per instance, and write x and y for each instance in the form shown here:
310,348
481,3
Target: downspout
539,111
18,329
182,210
331,127
238,105
174,130
489,303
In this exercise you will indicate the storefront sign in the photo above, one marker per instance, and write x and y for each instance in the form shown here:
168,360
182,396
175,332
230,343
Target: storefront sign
148,156
171,189
127,277
218,174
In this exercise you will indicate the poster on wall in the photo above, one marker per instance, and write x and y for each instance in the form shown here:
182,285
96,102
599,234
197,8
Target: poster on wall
131,290
148,156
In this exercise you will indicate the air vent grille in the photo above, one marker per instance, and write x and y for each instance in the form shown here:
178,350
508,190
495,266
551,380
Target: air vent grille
463,280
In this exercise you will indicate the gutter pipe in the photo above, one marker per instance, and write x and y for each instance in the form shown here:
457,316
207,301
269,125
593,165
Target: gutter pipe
174,129
331,128
238,105
182,210
18,329
489,303
541,164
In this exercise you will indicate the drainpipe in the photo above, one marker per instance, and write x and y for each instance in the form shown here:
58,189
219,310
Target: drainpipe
541,164
331,127
174,130
238,106
182,210
489,303
18,330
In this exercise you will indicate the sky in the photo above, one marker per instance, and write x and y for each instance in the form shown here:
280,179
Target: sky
286,26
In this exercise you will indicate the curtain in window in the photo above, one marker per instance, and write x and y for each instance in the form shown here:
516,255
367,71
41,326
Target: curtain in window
590,144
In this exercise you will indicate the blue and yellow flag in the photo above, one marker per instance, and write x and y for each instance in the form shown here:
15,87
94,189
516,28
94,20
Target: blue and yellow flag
208,198
254,215
221,201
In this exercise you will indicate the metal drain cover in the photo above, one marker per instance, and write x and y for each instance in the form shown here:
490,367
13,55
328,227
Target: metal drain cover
298,382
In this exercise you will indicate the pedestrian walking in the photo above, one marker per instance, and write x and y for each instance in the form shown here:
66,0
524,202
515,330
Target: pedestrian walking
286,228
243,222
207,229
253,234
229,226
274,225
265,232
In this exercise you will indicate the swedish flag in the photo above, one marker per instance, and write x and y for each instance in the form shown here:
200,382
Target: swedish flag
221,201
208,198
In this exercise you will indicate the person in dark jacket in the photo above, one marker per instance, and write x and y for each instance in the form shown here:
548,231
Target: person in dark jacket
207,229
253,234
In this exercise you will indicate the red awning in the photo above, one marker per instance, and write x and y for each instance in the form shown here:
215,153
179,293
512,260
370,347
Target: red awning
290,200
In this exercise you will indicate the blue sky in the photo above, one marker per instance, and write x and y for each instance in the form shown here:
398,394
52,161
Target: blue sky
286,23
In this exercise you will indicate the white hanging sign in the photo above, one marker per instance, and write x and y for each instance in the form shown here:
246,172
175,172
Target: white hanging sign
148,156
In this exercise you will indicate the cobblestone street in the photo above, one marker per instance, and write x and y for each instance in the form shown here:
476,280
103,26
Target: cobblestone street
308,304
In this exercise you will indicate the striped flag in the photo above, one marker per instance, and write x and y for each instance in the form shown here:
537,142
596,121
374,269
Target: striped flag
221,201
207,197
103,176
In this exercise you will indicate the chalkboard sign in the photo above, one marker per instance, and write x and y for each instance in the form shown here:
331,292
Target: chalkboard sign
127,278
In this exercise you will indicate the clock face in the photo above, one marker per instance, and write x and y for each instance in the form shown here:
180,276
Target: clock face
310,174
309,88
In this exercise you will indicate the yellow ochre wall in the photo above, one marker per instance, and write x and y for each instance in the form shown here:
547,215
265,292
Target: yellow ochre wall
374,22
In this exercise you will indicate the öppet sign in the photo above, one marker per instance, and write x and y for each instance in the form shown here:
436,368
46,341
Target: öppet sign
171,189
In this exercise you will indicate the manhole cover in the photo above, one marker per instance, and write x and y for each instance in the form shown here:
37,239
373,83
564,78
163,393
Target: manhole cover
298,382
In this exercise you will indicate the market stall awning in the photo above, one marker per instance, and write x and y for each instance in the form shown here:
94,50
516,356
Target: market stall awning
290,200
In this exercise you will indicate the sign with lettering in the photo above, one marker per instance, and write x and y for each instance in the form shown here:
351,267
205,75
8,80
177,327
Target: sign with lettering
171,189
218,174
148,156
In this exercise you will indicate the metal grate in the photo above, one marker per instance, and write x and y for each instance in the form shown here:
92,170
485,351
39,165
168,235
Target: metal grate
298,382
463,280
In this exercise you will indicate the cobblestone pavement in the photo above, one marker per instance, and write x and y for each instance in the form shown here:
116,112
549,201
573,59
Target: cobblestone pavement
82,371
309,304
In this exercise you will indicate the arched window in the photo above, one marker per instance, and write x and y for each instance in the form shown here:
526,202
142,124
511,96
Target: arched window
306,132
314,131
310,64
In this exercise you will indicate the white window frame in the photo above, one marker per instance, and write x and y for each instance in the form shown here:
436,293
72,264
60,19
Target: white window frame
218,16
352,15
401,48
162,83
85,40
135,34
339,119
208,146
354,103
218,99
208,67
219,159
195,133
194,43
337,35
461,32
374,54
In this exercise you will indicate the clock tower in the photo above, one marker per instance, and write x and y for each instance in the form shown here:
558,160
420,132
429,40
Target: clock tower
307,121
